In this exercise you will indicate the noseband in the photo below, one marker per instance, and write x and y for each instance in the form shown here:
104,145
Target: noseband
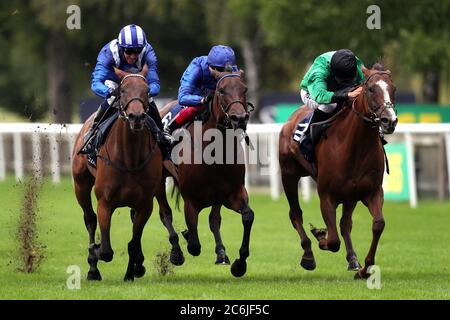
123,108
248,108
373,118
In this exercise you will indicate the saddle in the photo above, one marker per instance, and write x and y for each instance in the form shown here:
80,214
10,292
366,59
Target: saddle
103,129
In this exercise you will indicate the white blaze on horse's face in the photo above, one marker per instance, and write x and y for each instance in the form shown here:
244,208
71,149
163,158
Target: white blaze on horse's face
388,116
387,99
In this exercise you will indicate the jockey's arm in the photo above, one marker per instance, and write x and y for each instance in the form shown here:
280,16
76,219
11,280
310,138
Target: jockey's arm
99,76
318,91
189,82
152,74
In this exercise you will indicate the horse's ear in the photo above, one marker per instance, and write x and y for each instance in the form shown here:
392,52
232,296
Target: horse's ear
378,66
365,71
144,70
214,73
120,73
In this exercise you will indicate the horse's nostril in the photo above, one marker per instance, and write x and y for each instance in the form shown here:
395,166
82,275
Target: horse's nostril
234,118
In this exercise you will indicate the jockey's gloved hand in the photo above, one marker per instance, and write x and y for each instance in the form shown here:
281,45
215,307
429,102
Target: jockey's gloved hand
114,92
340,95
206,99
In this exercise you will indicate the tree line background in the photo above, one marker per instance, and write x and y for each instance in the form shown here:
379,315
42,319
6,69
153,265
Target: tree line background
46,68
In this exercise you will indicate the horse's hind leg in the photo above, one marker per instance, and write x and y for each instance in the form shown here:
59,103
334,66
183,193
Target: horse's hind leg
375,204
135,256
83,187
328,208
165,214
290,184
346,229
239,203
191,215
214,224
105,252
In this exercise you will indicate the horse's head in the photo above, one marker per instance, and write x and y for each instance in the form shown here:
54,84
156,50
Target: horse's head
379,93
133,99
230,105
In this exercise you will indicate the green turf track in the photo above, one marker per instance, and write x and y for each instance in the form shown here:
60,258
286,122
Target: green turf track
414,254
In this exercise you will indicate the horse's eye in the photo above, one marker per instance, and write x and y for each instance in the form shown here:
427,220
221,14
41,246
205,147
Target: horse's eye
371,89
222,91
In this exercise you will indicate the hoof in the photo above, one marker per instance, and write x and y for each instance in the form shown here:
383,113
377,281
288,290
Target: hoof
128,278
319,234
353,265
185,234
308,264
94,276
194,250
106,256
222,259
361,275
176,257
139,271
238,268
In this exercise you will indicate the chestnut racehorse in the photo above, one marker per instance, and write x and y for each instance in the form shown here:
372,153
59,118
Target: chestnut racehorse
128,174
350,168
217,184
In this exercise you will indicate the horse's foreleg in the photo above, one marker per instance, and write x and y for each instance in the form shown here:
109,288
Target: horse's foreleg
191,215
135,255
105,252
214,224
165,214
346,229
239,203
375,205
328,208
83,194
290,184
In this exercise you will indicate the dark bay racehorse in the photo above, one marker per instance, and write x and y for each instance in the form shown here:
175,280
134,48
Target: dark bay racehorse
215,185
350,167
129,173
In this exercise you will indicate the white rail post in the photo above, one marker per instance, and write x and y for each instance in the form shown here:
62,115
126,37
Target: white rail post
411,170
273,167
447,155
305,183
2,160
37,157
18,158
54,158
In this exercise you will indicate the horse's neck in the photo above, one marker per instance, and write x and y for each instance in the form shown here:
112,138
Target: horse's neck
358,137
129,147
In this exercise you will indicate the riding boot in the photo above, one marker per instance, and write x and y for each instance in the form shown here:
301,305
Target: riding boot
153,112
304,137
98,117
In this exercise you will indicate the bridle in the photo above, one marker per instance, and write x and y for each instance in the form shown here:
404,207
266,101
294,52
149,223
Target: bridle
225,108
123,115
123,108
373,118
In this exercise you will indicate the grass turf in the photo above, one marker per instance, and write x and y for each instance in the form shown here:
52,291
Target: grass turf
413,254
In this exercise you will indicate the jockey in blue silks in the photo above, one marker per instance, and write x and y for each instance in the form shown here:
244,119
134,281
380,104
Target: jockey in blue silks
129,52
198,85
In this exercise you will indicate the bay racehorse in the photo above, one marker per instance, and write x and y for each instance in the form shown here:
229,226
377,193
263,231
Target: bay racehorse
204,184
350,168
128,174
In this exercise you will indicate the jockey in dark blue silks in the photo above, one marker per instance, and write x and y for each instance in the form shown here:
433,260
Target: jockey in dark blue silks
129,52
198,85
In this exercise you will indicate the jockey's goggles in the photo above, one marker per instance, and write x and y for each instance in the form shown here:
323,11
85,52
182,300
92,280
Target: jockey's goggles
132,50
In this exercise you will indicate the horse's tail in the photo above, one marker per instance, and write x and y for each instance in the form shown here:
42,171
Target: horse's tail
176,189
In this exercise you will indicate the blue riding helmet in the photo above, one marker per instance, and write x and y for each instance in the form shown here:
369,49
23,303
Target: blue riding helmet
132,36
221,56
